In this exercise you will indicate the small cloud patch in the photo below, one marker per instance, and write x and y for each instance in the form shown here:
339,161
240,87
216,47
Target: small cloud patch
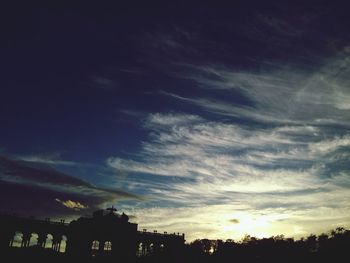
234,221
71,204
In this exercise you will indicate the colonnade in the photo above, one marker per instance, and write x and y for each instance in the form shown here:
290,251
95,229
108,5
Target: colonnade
102,234
25,239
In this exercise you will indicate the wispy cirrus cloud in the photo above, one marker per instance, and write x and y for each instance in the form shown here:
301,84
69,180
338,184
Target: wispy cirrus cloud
214,163
274,157
49,158
284,95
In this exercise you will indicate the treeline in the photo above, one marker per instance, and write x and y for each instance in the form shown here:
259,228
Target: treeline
331,247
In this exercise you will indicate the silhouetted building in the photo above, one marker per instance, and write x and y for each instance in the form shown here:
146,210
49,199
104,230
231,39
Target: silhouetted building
106,234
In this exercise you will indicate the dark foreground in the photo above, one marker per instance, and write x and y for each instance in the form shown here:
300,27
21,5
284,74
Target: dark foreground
332,247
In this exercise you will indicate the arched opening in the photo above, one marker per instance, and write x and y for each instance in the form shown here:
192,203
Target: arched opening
17,239
63,244
151,248
49,241
95,246
33,239
107,246
139,251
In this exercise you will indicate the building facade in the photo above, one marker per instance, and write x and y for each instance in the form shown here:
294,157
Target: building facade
106,234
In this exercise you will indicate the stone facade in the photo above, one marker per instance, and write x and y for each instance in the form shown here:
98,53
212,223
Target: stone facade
106,234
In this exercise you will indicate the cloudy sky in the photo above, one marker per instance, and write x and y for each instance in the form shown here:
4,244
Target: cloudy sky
216,120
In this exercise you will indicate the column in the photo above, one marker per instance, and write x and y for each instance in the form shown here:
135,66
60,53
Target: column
26,239
42,240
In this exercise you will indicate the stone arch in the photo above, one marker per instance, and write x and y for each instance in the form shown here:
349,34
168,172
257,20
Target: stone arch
140,249
49,241
17,239
107,246
151,248
6,237
57,241
95,245
33,239
63,245
42,239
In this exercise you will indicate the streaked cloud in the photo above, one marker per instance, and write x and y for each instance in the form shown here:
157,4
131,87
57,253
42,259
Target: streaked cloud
287,165
71,204
49,158
283,95
216,164
29,188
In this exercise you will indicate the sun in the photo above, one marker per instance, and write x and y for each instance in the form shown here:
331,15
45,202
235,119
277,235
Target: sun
246,224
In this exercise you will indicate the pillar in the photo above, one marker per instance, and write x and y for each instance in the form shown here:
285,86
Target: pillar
42,240
26,239
56,243
101,246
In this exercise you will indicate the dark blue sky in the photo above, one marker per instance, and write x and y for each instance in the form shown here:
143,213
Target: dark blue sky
179,107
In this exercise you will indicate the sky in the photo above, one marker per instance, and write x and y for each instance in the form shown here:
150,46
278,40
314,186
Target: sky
215,119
